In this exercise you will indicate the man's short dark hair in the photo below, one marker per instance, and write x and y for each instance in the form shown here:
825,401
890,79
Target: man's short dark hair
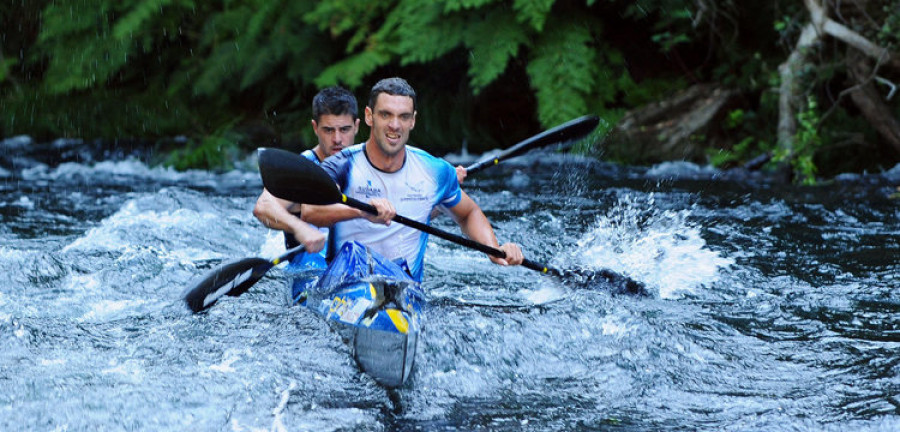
394,87
335,101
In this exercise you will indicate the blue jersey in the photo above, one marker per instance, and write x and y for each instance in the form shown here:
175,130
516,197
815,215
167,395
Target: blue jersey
423,183
311,155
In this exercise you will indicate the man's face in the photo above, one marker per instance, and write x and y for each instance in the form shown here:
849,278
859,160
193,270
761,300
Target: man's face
335,132
391,119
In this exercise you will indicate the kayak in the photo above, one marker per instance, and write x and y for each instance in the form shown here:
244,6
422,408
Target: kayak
373,303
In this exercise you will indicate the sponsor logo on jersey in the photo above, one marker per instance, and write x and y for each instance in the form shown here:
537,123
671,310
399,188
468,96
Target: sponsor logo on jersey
369,191
415,192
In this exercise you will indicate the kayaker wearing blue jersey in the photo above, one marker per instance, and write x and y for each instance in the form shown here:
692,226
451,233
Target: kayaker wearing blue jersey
398,179
335,122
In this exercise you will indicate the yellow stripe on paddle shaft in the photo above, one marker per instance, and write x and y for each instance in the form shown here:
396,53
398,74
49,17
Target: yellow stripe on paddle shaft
343,198
496,161
399,322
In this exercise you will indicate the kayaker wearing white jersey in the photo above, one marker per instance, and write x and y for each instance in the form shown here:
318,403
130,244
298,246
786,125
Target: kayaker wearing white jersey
398,179
335,122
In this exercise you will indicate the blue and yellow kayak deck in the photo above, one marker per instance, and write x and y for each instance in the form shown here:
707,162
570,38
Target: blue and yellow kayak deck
375,303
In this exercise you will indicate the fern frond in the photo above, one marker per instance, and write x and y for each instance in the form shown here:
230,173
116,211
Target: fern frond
493,42
422,31
263,59
62,21
458,5
261,18
533,12
218,69
335,16
562,71
307,51
351,70
6,65
360,18
260,54
131,23
76,45
245,45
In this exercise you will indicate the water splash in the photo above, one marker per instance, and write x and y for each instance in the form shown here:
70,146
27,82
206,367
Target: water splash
661,248
173,221
273,245
681,170
130,170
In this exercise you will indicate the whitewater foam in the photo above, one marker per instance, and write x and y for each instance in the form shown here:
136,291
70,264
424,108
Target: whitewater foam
660,248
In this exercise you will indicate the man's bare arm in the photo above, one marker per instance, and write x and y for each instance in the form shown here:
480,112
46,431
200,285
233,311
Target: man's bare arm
328,215
275,213
475,225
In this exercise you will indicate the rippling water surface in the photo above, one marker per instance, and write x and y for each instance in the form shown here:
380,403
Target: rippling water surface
773,307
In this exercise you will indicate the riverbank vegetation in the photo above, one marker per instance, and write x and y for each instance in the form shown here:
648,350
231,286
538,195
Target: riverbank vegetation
809,86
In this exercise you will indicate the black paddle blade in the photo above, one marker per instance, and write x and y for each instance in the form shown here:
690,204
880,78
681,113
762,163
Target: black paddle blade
607,279
294,178
231,278
568,131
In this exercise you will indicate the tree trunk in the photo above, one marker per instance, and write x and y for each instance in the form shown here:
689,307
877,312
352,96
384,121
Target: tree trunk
850,37
790,96
869,101
669,129
865,97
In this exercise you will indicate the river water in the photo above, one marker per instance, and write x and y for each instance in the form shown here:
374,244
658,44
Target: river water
774,308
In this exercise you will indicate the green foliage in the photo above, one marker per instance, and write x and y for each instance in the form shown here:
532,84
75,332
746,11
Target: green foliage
358,18
493,42
351,70
200,54
888,34
458,5
742,151
96,42
111,113
735,119
561,71
668,40
533,12
143,13
632,93
781,25
671,20
6,65
357,23
74,63
593,143
257,46
160,68
413,43
751,139
216,152
848,145
806,142
560,49
188,67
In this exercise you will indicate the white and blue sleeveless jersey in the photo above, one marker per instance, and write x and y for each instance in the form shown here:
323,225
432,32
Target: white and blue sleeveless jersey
423,183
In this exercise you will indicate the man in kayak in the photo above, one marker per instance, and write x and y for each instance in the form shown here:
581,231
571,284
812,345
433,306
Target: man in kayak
398,179
335,122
